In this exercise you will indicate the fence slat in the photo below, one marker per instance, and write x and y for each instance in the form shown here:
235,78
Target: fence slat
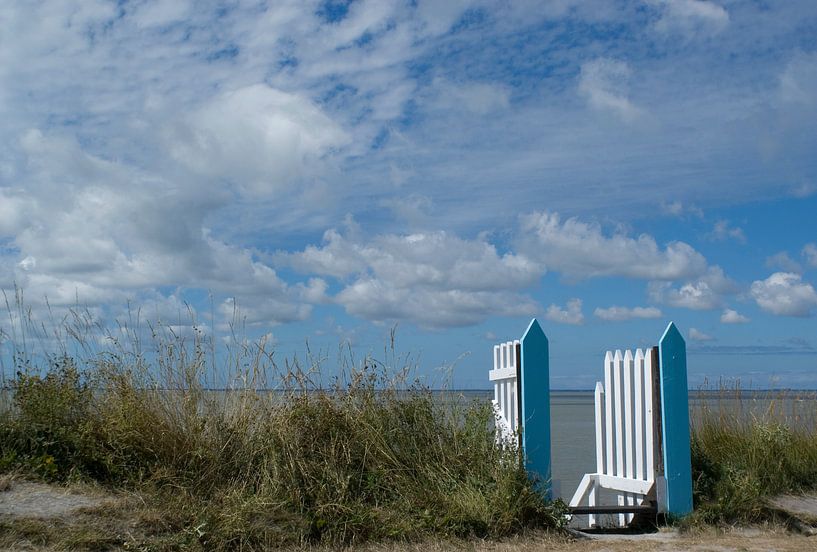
608,412
638,394
619,423
649,413
629,464
535,403
675,419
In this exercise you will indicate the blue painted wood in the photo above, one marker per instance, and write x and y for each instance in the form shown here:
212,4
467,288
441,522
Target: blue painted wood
675,420
535,375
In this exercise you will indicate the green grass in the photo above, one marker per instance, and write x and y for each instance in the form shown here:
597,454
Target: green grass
742,456
371,456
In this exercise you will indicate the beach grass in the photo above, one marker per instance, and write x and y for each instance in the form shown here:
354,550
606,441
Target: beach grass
748,447
278,458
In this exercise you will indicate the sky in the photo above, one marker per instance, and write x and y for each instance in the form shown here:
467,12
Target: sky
323,173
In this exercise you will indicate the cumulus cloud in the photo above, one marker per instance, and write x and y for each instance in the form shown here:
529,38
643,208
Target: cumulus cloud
581,250
731,316
782,261
723,231
691,17
604,83
96,232
432,278
259,138
697,335
704,293
570,314
809,253
616,313
785,294
679,209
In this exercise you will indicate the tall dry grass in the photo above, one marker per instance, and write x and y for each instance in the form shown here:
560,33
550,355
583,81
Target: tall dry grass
280,457
748,447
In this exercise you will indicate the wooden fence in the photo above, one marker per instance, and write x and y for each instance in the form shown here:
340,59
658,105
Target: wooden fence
641,418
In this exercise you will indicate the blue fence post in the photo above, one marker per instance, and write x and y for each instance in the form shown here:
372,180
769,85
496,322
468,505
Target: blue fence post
535,411
675,422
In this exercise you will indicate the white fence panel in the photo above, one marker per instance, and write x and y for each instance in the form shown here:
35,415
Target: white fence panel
504,377
624,434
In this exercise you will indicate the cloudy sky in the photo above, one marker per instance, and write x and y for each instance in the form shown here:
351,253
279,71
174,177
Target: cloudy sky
331,169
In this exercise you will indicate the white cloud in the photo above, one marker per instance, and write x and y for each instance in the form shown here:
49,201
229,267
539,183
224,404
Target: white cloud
722,231
580,250
810,254
571,314
616,313
785,294
379,300
697,335
160,13
258,138
798,82
679,209
782,261
731,316
704,293
691,17
97,232
432,278
603,82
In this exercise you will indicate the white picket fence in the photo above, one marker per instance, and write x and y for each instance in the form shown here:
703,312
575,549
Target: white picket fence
505,378
625,435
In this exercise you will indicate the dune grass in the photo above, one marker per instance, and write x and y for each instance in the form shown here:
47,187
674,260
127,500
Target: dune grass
749,448
371,456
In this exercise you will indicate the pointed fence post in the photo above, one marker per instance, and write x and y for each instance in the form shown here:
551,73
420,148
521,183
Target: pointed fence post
675,421
535,411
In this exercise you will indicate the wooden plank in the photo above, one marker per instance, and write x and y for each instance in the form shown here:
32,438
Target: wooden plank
629,460
582,489
675,419
619,423
635,509
593,497
512,386
501,374
617,413
657,431
608,412
535,414
518,387
599,403
638,395
624,484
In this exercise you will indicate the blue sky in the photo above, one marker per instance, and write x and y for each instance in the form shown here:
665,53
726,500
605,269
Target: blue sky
330,170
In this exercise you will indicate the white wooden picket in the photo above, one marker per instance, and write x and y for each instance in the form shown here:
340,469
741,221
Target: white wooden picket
625,451
504,376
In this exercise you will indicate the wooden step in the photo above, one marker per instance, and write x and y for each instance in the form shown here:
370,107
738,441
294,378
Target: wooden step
634,509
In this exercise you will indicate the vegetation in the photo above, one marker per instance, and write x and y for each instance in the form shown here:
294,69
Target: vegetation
371,456
747,450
